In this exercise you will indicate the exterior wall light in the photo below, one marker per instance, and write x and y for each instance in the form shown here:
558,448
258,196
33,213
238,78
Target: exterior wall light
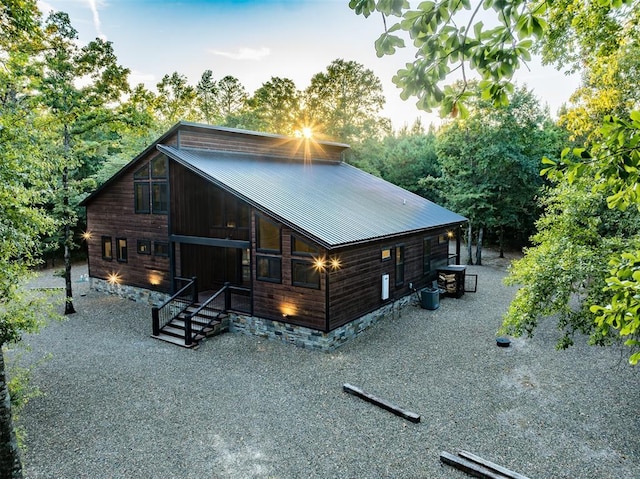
114,278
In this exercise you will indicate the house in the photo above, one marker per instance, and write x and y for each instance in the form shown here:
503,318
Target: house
261,233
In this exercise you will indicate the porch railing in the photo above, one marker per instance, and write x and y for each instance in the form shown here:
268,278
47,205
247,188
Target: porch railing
175,305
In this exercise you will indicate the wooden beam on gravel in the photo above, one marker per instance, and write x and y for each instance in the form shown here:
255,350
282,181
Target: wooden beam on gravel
478,467
502,470
398,411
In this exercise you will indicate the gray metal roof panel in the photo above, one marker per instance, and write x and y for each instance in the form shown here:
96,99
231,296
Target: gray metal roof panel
334,203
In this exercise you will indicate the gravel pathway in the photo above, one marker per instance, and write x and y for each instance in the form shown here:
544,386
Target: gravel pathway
120,404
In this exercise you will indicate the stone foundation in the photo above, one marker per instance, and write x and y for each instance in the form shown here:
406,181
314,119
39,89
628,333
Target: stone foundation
265,328
139,295
310,338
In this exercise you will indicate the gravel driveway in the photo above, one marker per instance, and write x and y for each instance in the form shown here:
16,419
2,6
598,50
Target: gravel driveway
120,404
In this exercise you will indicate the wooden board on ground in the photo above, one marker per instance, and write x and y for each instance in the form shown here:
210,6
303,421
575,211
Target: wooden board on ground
398,411
477,466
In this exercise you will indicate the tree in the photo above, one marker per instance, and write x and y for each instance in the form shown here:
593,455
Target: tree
232,98
176,99
72,112
490,165
207,98
276,105
24,185
448,37
567,32
344,103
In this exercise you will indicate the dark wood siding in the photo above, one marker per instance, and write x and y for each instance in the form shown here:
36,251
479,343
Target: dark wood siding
356,288
258,145
112,214
199,208
302,306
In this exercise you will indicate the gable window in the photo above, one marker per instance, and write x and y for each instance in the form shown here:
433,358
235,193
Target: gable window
426,256
269,268
399,265
268,235
144,247
160,248
302,248
121,249
303,273
107,248
151,189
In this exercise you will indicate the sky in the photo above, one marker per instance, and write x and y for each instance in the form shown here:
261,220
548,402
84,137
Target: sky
256,40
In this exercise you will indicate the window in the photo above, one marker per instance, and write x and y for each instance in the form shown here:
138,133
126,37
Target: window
121,244
144,247
151,190
304,274
399,265
268,235
160,198
160,248
142,203
107,248
269,268
426,256
386,254
246,266
302,248
159,167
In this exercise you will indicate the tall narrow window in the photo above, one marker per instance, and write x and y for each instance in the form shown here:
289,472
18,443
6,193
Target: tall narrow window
160,198
121,249
107,248
426,256
399,265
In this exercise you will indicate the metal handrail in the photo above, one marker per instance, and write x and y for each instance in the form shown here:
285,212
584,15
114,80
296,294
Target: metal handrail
174,306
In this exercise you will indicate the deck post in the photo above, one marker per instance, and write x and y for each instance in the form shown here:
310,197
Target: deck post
194,297
187,330
227,296
155,321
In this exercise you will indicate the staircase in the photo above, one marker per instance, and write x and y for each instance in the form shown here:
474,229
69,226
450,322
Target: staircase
204,324
185,319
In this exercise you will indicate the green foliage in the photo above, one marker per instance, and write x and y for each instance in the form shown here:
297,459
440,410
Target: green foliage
564,273
344,103
448,37
490,163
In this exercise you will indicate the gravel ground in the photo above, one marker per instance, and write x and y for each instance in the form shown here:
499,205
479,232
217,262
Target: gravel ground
119,404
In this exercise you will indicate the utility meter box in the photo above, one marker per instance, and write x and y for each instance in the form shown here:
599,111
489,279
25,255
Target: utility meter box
385,287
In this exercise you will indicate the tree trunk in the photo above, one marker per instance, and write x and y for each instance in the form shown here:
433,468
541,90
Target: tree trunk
68,238
10,466
501,241
479,247
469,248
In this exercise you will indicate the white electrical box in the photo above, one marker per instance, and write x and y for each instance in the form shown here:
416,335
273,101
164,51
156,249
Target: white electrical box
385,286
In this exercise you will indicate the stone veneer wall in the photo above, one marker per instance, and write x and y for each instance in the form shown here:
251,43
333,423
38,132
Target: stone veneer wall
140,295
265,328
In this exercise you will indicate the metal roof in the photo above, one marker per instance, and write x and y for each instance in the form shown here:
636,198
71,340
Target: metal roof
332,202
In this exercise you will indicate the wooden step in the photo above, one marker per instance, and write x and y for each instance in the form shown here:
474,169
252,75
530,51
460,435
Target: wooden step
176,341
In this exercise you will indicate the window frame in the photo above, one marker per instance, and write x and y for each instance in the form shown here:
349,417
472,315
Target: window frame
387,256
146,207
426,255
295,239
271,260
164,200
260,218
122,253
309,267
160,244
399,263
109,240
143,242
